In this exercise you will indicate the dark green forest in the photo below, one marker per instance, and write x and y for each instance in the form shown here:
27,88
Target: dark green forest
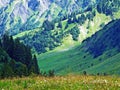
16,58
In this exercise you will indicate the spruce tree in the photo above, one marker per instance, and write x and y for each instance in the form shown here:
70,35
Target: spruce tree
36,64
60,25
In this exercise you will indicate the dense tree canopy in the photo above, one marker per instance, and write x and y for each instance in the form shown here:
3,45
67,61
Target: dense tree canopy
16,58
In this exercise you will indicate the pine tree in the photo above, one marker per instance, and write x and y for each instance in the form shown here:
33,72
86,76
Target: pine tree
60,25
5,42
48,25
36,64
11,47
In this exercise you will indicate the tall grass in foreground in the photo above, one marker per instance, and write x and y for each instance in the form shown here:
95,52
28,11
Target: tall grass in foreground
62,83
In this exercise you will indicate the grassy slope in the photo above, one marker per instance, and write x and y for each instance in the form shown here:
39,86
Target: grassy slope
62,83
75,60
110,64
60,57
63,61
22,34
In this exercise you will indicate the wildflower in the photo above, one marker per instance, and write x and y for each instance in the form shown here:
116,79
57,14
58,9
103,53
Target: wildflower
105,81
45,80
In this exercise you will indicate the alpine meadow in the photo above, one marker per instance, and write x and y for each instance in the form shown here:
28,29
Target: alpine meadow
59,44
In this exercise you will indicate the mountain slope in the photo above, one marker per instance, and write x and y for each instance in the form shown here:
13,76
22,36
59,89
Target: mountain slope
47,35
73,30
83,57
19,14
44,28
105,40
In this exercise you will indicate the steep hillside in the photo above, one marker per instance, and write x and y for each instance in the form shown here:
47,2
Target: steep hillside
68,28
93,56
107,39
18,15
75,30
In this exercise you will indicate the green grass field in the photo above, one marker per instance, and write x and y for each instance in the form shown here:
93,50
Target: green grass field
70,82
76,61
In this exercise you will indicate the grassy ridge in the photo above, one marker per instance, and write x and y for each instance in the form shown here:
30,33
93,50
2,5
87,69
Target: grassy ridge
62,83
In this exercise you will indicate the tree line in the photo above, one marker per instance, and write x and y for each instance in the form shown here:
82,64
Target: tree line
16,58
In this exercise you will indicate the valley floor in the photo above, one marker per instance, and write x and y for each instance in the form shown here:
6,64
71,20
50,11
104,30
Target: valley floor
62,83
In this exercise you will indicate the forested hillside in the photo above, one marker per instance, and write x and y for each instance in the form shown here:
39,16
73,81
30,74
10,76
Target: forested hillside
16,58
78,24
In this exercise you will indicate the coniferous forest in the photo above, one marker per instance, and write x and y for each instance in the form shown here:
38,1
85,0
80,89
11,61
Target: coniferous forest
16,58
